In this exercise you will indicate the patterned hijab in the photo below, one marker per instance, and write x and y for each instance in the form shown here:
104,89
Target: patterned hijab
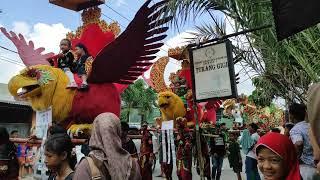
106,146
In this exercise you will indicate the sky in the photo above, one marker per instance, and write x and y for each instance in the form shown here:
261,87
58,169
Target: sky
46,24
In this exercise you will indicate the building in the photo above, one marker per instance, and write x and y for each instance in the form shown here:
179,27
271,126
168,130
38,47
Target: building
15,114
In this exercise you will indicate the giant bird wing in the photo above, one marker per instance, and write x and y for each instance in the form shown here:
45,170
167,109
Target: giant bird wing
27,52
128,56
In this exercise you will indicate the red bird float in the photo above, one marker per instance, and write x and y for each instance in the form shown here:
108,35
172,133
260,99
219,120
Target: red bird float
116,64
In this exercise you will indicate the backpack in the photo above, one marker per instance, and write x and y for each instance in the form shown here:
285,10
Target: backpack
95,172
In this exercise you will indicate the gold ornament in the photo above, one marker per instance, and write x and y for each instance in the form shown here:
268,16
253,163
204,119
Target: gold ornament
92,16
88,65
179,53
156,74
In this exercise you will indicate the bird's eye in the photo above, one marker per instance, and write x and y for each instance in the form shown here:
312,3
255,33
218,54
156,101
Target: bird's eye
32,73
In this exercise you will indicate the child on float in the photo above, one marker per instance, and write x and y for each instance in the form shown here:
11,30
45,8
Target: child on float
82,54
64,61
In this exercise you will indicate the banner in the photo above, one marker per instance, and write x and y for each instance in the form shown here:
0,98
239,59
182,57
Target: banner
293,16
213,72
43,121
167,141
167,125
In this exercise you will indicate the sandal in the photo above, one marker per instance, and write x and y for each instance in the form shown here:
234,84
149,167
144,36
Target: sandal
72,85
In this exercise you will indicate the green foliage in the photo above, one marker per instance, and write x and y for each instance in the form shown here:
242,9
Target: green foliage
138,95
283,69
259,98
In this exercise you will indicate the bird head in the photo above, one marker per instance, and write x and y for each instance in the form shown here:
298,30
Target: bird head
167,100
39,85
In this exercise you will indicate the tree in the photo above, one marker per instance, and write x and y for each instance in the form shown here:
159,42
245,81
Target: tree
283,69
138,95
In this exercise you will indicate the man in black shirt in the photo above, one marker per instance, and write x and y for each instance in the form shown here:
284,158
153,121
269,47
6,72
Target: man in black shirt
127,142
218,151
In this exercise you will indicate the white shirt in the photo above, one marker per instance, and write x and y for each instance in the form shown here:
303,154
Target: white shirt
255,137
237,116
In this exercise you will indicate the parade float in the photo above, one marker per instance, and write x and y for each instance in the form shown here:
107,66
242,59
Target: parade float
242,108
180,88
111,71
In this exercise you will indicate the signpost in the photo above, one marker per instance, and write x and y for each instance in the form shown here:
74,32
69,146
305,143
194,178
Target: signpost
213,77
213,72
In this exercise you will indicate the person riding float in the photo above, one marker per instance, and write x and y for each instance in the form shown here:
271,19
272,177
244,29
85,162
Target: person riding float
64,61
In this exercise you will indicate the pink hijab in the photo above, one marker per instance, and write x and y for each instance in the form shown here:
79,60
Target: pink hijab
283,147
106,144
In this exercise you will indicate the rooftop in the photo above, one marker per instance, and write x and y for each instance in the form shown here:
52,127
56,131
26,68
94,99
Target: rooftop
6,97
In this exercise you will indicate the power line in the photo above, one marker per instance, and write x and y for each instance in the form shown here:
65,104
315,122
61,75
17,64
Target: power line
117,12
8,49
125,27
12,62
245,80
4,57
129,22
113,20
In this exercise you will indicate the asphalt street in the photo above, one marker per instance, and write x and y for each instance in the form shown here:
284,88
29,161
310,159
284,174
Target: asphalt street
227,172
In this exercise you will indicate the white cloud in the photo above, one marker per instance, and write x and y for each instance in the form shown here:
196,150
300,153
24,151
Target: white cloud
119,3
48,36
173,65
245,86
9,69
21,27
43,35
176,41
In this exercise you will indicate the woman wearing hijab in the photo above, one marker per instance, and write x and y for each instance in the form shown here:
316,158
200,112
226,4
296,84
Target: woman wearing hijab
246,141
277,158
107,155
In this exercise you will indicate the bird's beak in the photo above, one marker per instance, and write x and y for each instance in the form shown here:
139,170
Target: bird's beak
21,86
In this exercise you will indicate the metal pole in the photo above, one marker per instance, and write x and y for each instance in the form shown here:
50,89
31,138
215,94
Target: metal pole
230,35
198,141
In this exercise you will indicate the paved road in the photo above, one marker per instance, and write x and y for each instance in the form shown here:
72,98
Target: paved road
227,173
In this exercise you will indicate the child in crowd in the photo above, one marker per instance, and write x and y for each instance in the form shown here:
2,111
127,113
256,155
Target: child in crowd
59,157
64,61
234,156
218,151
